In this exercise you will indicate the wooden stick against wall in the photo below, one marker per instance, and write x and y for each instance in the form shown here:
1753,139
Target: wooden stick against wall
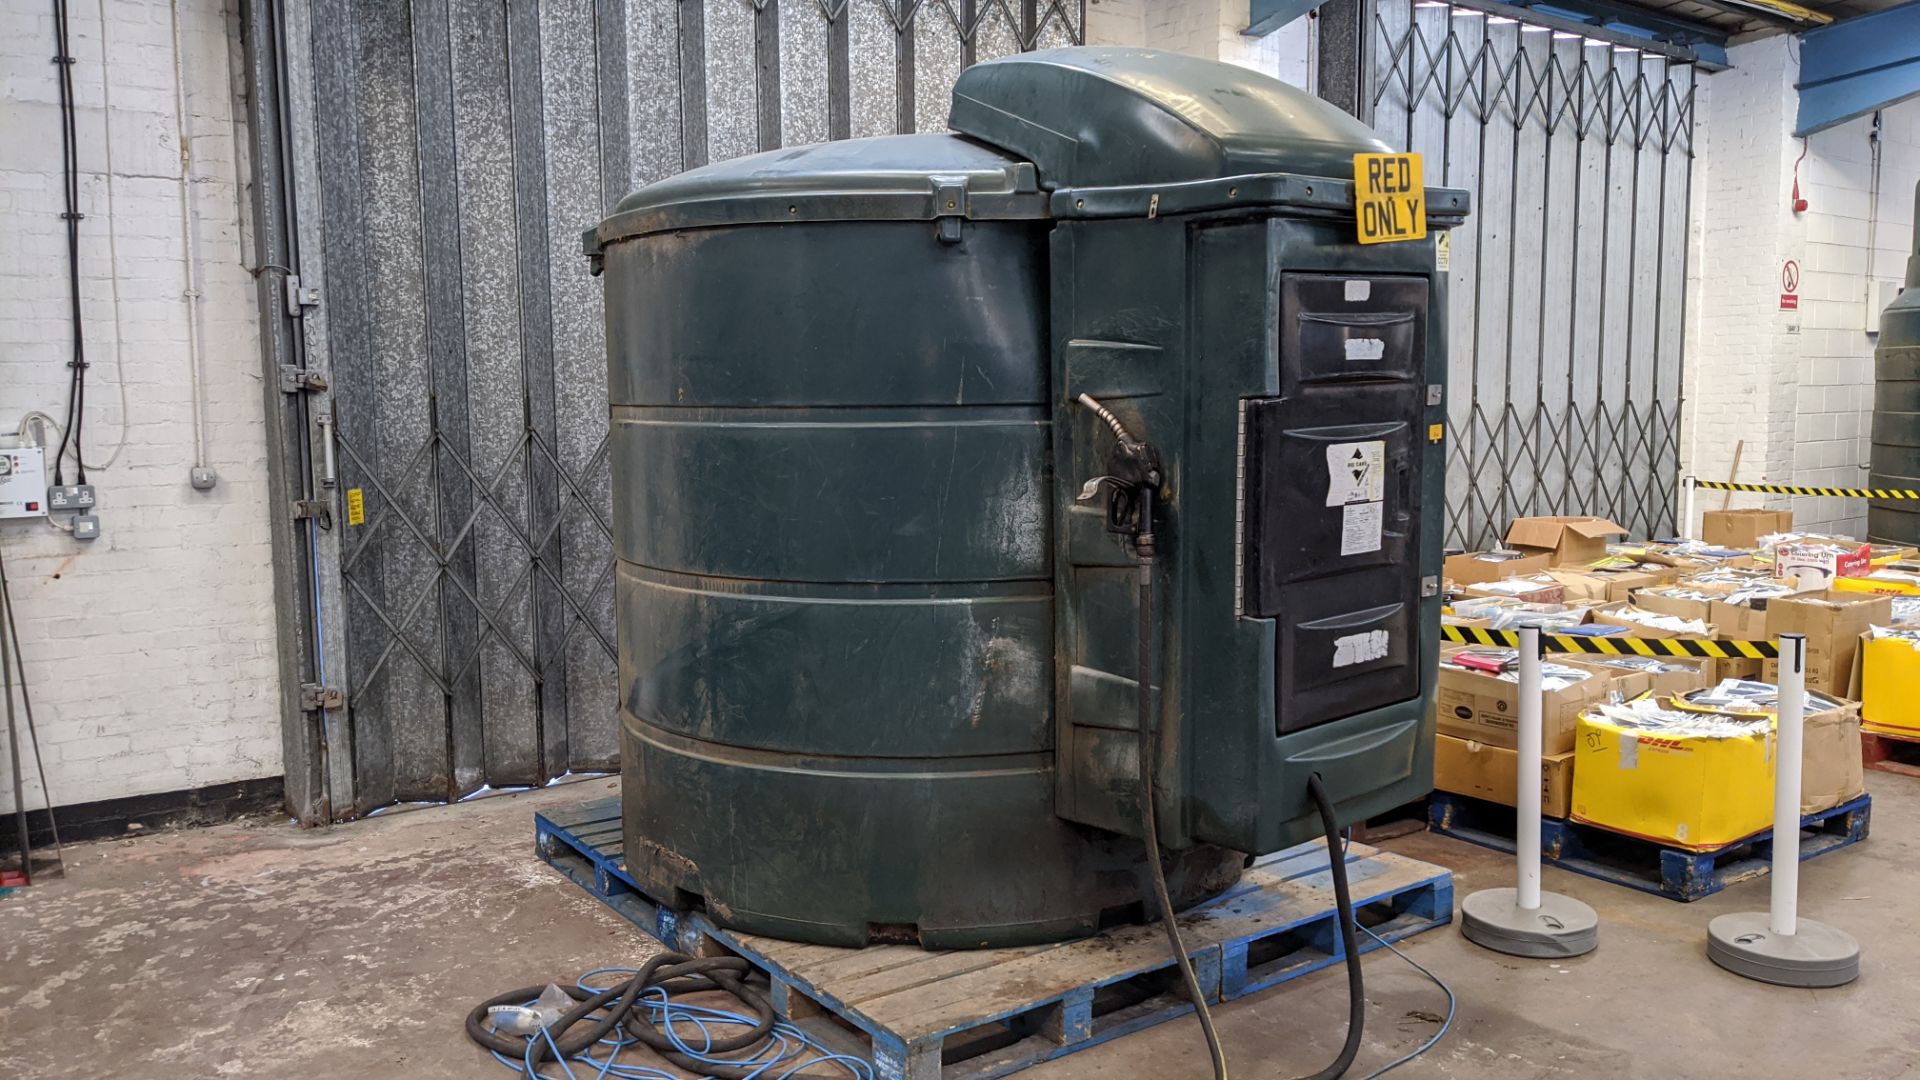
1733,474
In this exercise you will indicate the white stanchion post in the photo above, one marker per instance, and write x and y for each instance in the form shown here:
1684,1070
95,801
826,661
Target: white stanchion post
1686,513
1790,730
1523,920
1777,946
1526,842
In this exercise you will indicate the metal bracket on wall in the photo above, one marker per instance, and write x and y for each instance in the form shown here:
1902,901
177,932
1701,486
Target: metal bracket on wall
317,698
1436,393
295,379
300,297
304,509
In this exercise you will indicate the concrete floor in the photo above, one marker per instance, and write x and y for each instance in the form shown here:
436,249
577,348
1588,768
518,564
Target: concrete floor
258,949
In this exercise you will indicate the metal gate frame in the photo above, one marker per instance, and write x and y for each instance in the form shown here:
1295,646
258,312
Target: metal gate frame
495,509
1584,417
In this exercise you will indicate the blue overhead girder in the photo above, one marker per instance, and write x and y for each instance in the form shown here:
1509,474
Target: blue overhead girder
1858,65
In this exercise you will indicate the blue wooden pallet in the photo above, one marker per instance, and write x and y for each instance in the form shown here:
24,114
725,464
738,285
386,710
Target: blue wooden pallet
973,1014
1641,864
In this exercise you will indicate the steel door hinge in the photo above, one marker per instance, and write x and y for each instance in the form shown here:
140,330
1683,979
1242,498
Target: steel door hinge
295,379
1436,393
317,698
300,297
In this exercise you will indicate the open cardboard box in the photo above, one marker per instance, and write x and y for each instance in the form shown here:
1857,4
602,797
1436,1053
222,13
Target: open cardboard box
1476,567
1567,541
1482,771
1832,622
1486,709
1743,528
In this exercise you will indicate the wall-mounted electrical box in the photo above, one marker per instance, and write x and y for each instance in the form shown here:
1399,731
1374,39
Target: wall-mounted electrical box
23,482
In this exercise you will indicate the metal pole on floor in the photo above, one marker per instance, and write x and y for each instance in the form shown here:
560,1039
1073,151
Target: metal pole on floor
1777,946
1523,920
1686,512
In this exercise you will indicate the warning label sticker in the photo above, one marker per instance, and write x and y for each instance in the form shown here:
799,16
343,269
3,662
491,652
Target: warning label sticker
1356,472
1359,528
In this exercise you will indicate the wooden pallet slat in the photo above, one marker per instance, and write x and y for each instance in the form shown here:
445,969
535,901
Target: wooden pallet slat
1641,864
1894,750
978,1014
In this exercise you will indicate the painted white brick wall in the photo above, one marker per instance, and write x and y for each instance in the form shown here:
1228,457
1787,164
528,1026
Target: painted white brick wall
1208,28
1796,386
150,653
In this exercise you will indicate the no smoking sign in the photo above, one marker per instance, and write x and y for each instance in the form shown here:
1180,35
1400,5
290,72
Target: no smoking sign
1790,286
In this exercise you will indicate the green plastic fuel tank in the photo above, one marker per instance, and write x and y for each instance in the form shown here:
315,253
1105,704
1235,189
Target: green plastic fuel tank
1896,409
846,562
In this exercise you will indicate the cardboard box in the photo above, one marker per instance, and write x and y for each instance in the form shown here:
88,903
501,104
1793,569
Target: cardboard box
1832,622
1602,586
1567,541
1701,791
1816,565
1682,607
1485,708
1538,589
1478,566
1686,673
1617,614
1466,767
1743,528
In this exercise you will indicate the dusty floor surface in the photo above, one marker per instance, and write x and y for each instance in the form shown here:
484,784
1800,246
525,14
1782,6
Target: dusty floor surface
260,950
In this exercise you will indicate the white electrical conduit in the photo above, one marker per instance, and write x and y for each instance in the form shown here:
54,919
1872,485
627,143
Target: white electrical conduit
189,243
113,259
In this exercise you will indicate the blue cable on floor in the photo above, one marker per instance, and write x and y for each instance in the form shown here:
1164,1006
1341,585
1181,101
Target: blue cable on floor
784,1055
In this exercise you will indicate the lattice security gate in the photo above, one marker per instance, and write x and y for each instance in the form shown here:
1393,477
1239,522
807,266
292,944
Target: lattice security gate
1568,281
444,156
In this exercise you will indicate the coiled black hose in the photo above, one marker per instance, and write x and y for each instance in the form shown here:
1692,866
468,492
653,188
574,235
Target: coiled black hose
672,972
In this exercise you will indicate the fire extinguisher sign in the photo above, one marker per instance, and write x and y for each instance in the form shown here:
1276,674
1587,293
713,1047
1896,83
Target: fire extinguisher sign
1790,286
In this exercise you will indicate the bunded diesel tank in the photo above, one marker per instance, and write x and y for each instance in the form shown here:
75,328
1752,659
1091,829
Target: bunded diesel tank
862,619
1896,409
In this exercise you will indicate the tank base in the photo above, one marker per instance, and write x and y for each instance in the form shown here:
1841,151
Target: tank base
1560,927
1816,955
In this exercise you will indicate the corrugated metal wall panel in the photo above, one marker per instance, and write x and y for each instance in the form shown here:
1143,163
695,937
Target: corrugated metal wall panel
462,146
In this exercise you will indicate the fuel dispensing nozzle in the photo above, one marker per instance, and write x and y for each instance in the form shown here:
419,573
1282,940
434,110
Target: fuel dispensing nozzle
1133,477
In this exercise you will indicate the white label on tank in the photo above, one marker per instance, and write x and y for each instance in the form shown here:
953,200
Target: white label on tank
1358,289
1359,648
1365,348
1359,528
1356,472
1443,252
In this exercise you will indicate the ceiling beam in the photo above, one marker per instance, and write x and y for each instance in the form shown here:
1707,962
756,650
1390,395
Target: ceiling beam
1857,66
1630,19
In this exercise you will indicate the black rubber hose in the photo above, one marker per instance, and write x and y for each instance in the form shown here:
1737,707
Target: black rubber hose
1150,826
673,972
1343,902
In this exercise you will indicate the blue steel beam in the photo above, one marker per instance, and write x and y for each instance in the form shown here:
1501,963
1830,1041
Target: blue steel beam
1266,16
1858,65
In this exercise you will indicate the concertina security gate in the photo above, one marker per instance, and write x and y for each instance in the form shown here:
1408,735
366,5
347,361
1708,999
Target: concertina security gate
451,153
1568,281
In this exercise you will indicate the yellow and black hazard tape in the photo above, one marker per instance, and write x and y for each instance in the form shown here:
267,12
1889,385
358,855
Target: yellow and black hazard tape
1616,646
1792,489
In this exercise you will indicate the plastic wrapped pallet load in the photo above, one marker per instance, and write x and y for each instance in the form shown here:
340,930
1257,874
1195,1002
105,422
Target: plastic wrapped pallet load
1695,771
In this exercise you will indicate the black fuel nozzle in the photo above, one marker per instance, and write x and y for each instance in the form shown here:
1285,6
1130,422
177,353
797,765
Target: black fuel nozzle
1134,476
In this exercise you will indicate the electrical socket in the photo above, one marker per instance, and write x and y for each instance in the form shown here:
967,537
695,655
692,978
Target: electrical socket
203,478
86,527
70,497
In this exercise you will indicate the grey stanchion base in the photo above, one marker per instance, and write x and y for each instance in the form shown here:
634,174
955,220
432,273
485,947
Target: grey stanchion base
1560,926
1816,955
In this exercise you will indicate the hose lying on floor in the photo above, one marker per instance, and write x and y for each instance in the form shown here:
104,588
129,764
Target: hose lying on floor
642,1009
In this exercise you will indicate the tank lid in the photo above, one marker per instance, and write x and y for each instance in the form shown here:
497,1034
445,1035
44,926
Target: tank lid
910,177
1100,117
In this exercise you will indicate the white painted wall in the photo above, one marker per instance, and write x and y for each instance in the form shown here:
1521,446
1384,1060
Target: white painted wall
150,652
1797,386
1207,28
